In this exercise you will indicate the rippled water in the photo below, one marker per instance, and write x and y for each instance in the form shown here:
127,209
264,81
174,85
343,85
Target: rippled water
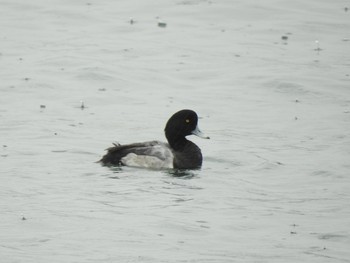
275,183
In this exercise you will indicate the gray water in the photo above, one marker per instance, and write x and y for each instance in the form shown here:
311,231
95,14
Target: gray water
274,186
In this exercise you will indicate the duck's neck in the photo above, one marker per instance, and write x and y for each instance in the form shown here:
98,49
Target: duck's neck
176,142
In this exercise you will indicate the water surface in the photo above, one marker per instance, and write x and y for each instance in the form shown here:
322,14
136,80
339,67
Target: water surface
274,186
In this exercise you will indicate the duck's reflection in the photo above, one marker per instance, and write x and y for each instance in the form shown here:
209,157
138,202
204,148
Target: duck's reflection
181,173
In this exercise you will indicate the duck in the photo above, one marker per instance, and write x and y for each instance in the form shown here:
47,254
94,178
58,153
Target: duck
177,153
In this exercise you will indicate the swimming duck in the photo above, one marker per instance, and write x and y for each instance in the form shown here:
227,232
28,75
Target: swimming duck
178,153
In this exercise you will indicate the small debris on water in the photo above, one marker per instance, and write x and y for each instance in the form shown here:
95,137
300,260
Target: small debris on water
318,49
23,218
42,106
161,23
297,101
284,38
293,232
59,151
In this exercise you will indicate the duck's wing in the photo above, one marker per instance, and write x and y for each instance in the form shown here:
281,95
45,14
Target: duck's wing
152,154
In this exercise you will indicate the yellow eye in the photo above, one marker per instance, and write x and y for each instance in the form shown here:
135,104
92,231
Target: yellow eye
187,121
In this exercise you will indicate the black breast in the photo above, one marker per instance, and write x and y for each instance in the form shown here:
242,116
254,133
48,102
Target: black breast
188,157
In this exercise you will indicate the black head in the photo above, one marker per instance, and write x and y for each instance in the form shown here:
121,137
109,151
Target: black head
181,124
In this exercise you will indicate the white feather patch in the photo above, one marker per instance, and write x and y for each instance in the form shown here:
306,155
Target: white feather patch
147,161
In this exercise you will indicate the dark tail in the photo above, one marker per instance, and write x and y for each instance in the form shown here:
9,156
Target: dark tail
113,156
